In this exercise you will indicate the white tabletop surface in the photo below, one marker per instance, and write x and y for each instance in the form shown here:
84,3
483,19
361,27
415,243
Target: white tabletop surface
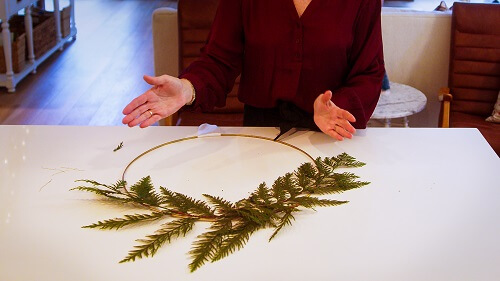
431,212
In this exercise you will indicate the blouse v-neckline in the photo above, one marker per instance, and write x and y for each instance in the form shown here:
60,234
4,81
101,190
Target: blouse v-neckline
307,10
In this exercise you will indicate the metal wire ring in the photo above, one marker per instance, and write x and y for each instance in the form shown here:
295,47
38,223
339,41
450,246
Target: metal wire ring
221,135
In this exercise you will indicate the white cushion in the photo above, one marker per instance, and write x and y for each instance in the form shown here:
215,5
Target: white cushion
495,116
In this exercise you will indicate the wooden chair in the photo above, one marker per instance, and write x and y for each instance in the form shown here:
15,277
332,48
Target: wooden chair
474,76
194,20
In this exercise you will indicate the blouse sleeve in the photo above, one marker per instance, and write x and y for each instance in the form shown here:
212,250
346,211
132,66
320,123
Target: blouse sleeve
214,73
361,90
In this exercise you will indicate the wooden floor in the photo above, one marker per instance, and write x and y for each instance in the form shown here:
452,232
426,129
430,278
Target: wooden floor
95,76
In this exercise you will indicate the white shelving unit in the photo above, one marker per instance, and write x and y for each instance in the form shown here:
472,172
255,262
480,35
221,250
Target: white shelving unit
8,8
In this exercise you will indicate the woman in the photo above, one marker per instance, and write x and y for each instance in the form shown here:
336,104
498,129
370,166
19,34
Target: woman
311,63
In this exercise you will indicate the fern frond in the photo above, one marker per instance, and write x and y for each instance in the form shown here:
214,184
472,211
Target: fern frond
152,243
255,215
236,240
118,223
306,170
196,206
338,183
168,197
290,185
145,192
348,181
305,176
185,204
346,160
323,167
110,191
262,195
95,190
93,182
311,202
208,244
119,186
286,219
282,188
221,206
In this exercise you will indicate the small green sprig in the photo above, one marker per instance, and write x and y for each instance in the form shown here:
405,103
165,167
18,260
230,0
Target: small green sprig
118,147
232,224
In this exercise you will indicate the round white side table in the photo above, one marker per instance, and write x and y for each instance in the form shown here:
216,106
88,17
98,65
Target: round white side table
400,101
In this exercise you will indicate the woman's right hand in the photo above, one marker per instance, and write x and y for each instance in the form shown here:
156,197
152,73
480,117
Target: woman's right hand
166,97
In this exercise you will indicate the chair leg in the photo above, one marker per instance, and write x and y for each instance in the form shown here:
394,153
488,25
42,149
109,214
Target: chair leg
445,97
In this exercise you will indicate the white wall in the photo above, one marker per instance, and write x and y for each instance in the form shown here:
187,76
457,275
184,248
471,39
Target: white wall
416,52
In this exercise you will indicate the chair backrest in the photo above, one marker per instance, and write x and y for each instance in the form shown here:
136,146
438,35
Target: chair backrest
195,20
474,77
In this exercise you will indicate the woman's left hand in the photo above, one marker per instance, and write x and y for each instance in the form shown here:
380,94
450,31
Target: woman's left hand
331,119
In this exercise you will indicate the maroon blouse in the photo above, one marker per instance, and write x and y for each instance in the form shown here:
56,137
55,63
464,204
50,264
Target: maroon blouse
335,45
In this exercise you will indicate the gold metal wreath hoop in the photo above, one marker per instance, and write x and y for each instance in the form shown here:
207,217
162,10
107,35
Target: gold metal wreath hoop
212,135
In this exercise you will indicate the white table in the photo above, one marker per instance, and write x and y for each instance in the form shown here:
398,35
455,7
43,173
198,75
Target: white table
400,101
431,212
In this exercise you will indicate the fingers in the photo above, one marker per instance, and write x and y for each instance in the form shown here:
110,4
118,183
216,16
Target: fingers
338,132
135,108
337,129
142,99
347,115
345,131
326,97
333,121
332,133
137,116
150,121
345,119
135,103
145,119
158,80
323,101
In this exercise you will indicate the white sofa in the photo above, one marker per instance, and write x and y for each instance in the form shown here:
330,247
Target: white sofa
416,51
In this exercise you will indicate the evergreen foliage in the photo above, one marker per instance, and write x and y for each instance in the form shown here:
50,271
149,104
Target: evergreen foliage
118,147
232,224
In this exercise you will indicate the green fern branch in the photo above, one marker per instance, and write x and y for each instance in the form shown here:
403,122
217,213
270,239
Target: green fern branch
254,214
344,160
118,223
152,243
311,202
286,219
95,190
145,193
262,195
114,191
337,183
232,224
207,244
186,204
221,206
93,183
236,240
